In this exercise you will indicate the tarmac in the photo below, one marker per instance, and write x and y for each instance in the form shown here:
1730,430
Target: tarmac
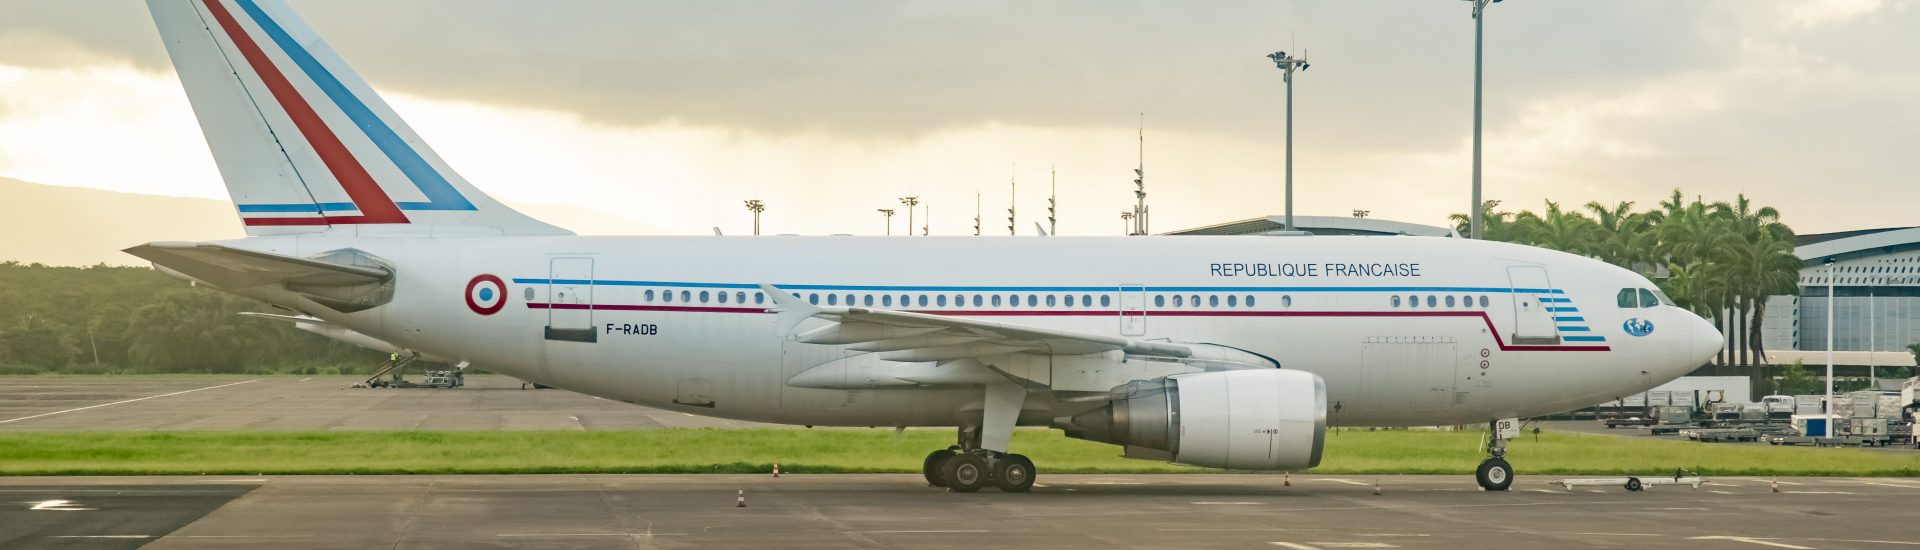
892,511
284,403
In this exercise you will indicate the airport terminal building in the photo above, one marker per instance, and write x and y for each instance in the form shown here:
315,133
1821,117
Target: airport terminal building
1875,301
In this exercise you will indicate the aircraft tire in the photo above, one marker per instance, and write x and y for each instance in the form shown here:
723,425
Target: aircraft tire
1013,474
964,473
1494,474
931,468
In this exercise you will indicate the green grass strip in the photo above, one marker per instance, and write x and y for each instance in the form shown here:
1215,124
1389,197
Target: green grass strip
847,450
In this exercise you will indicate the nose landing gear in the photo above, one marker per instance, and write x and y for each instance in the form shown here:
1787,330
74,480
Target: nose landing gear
1494,474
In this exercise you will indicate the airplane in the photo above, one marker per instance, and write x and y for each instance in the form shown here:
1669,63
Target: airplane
1220,352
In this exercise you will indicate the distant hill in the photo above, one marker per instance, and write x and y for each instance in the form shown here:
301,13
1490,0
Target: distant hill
77,226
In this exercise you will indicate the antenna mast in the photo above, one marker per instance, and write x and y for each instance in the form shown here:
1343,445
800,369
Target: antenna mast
1140,183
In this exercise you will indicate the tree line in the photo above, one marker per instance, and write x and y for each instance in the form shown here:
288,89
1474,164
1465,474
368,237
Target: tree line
134,319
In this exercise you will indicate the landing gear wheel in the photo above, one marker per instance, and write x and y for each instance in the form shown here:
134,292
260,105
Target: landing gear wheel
964,473
1494,474
1633,484
931,468
1013,474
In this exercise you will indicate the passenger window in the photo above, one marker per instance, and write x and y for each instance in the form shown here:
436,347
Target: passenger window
1213,301
722,296
1159,300
1069,300
1396,300
1177,301
940,300
666,296
1196,300
1106,300
1249,300
1086,299
703,296
959,301
1647,299
759,297
649,295
1449,301
996,300
1049,300
740,297
1431,302
923,300
1413,301
1483,301
867,300
976,300
1033,301
833,299
886,301
1628,298
1233,301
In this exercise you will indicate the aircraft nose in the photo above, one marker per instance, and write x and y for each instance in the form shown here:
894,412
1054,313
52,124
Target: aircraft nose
1706,339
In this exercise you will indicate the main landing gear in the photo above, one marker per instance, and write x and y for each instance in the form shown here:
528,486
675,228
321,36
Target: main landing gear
965,471
973,464
1494,474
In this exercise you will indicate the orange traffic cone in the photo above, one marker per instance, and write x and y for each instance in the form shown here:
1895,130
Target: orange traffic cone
741,502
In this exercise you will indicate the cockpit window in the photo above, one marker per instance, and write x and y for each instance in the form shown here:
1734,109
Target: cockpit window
1640,298
1664,300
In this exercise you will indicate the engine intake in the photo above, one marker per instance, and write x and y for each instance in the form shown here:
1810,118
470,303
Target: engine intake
1260,419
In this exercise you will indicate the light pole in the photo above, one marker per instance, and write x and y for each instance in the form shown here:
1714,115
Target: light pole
888,212
1831,302
1287,64
757,207
1479,26
910,202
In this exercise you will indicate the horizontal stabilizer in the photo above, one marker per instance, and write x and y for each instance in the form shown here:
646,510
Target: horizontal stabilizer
233,268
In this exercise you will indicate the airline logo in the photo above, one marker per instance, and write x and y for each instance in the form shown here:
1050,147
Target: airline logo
358,150
1638,327
486,294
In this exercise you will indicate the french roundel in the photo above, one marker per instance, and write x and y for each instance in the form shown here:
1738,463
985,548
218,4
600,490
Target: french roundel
486,294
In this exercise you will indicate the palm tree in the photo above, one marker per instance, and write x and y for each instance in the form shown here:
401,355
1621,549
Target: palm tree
1625,237
1557,229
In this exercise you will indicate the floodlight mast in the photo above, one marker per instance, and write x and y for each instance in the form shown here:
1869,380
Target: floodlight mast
888,212
757,207
1287,65
910,202
1479,26
1831,302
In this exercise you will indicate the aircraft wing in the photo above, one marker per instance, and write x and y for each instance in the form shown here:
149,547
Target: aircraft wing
228,267
918,337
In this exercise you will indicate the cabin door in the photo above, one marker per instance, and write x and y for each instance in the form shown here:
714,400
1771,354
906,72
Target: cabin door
1534,300
570,300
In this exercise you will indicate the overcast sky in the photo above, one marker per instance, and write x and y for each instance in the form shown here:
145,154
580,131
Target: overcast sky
671,113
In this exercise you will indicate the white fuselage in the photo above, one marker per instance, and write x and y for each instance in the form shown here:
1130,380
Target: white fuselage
1395,325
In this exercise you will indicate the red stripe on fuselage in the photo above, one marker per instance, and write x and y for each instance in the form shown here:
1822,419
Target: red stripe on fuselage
375,206
1497,340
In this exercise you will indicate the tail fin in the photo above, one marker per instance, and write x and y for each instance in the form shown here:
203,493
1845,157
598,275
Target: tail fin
304,145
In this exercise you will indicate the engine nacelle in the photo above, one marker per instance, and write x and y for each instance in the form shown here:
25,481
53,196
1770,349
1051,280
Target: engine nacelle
1258,419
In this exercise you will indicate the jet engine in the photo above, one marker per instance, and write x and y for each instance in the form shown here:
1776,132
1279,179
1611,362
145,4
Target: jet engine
1257,419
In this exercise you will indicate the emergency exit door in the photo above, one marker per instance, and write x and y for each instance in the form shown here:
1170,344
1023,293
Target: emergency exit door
1533,300
1133,310
570,300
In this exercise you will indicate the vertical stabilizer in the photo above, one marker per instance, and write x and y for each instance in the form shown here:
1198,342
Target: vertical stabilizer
305,146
